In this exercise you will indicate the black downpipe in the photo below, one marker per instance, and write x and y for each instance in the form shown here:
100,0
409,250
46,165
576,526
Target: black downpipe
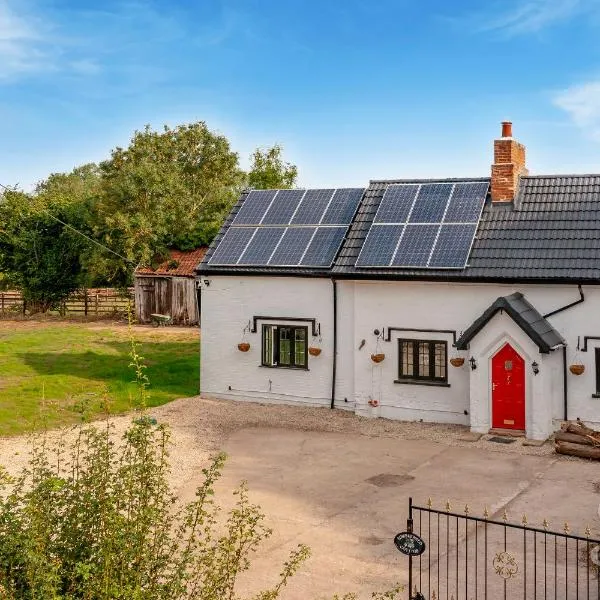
565,378
334,362
581,299
565,385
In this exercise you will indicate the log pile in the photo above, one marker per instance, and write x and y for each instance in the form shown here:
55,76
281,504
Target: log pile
576,439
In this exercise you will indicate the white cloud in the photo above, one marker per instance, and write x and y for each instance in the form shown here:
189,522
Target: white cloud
21,42
532,16
582,104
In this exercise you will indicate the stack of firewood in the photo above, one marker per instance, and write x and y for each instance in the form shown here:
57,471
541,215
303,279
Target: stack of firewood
576,439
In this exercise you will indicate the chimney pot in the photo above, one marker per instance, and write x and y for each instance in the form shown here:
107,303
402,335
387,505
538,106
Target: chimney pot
506,129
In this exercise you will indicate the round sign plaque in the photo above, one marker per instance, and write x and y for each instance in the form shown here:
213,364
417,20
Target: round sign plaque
409,543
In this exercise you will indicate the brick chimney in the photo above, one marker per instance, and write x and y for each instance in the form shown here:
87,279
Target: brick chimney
509,164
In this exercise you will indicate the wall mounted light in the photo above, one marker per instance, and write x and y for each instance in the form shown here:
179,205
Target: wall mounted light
535,368
473,363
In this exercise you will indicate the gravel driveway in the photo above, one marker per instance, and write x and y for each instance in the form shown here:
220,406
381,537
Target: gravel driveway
340,483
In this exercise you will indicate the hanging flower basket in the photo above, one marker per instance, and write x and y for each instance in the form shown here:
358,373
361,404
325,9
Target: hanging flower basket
314,350
457,361
243,347
377,358
577,369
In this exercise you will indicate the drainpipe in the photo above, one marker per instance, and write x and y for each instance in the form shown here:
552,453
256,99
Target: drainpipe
334,362
565,378
565,386
581,299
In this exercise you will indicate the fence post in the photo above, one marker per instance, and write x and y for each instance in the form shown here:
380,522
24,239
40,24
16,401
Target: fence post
409,528
85,302
2,296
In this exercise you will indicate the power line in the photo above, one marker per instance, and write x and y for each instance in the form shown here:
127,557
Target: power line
87,237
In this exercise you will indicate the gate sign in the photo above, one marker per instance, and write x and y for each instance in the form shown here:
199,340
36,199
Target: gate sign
409,543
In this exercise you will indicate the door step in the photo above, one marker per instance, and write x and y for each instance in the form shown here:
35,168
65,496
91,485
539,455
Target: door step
509,432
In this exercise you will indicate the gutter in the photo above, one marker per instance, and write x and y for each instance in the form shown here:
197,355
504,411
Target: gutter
558,310
334,362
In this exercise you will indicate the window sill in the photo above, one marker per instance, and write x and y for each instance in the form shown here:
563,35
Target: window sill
284,368
417,382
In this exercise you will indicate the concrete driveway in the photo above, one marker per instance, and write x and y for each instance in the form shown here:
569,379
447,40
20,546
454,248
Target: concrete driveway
346,496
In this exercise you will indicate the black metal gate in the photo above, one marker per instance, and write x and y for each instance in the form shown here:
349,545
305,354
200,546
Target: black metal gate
468,557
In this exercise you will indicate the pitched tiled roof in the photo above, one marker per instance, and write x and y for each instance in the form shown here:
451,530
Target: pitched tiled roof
550,232
524,315
186,264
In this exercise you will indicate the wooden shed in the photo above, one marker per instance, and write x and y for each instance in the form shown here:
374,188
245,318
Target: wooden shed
169,289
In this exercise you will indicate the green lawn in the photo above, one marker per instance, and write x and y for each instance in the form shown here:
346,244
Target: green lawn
67,363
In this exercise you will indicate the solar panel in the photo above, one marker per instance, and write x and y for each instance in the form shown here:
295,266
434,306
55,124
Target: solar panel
255,206
232,245
342,207
396,203
261,246
431,203
436,221
415,246
288,228
292,246
312,207
324,246
466,203
379,246
283,207
453,246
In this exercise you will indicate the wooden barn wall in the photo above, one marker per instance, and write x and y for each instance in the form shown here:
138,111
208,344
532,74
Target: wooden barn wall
175,296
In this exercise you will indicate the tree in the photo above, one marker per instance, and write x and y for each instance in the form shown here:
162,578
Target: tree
40,251
269,171
166,189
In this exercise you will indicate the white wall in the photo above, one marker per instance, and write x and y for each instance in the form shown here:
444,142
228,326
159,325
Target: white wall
425,305
228,303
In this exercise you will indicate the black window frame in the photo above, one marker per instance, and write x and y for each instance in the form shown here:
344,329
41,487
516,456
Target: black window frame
276,331
414,377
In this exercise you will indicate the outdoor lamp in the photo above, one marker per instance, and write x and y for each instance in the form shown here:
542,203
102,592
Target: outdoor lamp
535,367
473,363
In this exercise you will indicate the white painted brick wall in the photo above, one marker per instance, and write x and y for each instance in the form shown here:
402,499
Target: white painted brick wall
229,303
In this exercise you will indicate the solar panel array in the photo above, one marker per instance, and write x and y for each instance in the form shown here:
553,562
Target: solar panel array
429,225
288,228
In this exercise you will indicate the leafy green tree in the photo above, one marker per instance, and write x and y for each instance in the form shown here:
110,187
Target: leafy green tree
269,171
40,251
166,189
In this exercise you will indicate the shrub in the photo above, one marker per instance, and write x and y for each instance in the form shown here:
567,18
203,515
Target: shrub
94,518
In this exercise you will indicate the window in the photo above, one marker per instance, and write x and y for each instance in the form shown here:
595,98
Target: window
422,361
284,346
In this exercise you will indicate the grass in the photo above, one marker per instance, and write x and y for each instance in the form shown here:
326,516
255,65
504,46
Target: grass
49,370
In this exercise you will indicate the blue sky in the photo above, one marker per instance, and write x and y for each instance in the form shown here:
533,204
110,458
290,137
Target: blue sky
353,89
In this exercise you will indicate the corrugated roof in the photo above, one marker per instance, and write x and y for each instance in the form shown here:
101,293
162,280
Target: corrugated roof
186,264
551,231
524,315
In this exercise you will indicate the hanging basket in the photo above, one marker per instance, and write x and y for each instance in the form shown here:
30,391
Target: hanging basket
243,347
377,358
577,369
457,361
314,351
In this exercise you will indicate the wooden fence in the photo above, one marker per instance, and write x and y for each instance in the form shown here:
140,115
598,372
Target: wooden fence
93,302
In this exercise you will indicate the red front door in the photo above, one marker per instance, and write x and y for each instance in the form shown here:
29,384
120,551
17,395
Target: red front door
508,389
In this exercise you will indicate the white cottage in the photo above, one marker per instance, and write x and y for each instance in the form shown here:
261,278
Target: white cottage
464,301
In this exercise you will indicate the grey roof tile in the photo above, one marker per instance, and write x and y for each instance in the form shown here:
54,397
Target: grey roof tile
525,316
551,231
